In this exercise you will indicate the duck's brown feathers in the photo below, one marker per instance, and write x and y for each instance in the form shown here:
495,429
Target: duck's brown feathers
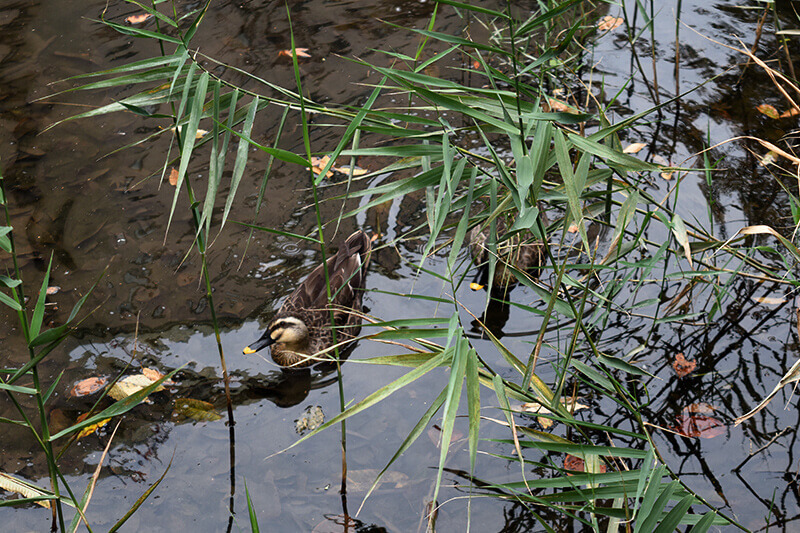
522,251
347,271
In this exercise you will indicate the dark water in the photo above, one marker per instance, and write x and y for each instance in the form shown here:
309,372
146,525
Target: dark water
91,212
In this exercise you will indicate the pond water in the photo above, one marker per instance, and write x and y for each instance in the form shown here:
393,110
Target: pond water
74,198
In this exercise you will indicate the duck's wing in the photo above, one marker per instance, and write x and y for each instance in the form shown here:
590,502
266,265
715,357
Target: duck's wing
346,270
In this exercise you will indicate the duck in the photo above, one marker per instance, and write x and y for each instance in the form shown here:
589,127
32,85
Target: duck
302,326
521,251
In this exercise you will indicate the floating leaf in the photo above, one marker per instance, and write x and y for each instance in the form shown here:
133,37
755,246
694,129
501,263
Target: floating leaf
131,384
138,19
318,164
790,113
608,23
694,421
196,409
53,290
573,228
768,110
362,480
173,176
300,52
682,366
87,386
769,300
768,158
555,105
154,375
576,464
88,430
634,148
539,409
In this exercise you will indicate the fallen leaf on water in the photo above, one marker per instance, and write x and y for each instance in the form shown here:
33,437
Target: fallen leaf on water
694,421
768,110
87,386
573,228
138,19
555,105
683,367
476,64
53,290
301,52
633,148
173,177
576,464
357,171
196,409
88,430
539,409
790,113
362,480
608,23
318,163
476,286
154,375
768,158
769,300
28,490
130,385
666,175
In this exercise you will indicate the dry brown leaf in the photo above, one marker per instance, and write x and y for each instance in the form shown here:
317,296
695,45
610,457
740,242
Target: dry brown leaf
345,169
301,52
634,148
87,386
196,409
539,409
173,177
608,23
768,159
666,175
768,110
573,228
576,464
476,64
138,19
132,384
682,366
555,105
53,290
769,300
790,113
318,163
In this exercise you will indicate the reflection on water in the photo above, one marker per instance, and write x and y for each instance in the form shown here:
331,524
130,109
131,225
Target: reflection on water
91,209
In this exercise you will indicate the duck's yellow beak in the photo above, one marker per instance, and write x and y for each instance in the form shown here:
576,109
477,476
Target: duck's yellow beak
248,350
476,286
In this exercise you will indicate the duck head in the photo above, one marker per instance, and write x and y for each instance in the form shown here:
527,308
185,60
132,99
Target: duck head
289,331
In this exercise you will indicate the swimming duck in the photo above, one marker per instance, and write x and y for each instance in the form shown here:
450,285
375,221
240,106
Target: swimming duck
522,251
302,326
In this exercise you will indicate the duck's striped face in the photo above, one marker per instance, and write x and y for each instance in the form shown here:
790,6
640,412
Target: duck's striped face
289,330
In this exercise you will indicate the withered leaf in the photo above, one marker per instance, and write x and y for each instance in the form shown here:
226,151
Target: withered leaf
608,23
173,177
576,464
196,409
88,386
634,148
301,52
138,19
768,110
682,366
